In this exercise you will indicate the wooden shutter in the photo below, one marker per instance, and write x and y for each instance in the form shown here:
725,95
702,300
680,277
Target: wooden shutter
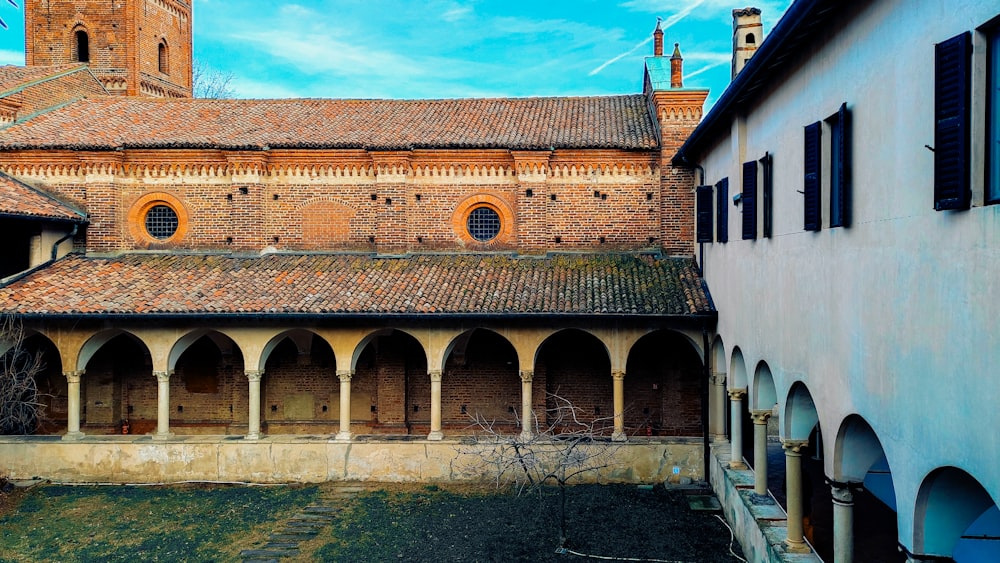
722,210
767,190
703,207
812,211
843,165
951,122
749,201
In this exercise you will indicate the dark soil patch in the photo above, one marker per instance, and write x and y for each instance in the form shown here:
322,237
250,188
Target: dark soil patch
604,520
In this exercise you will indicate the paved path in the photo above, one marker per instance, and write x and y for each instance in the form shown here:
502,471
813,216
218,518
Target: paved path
302,527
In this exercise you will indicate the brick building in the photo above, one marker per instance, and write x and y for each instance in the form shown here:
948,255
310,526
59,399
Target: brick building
344,267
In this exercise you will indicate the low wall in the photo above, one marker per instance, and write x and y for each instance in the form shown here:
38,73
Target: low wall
760,528
281,459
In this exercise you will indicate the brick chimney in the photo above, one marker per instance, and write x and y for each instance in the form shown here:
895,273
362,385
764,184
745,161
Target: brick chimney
747,35
658,39
676,68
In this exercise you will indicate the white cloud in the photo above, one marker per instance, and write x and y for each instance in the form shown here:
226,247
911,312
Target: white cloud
456,14
706,68
9,57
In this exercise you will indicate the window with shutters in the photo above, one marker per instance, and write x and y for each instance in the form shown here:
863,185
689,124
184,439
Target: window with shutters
951,122
749,200
812,167
827,170
840,167
993,112
767,193
703,209
722,210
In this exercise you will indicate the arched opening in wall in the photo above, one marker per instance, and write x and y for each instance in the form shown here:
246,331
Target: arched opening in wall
751,39
50,383
163,57
762,397
737,380
861,471
81,46
301,390
31,383
575,365
956,517
800,422
118,386
481,384
391,387
209,392
663,383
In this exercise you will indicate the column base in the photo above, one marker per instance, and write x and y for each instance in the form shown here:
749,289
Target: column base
70,436
526,436
343,437
436,436
164,436
253,437
619,437
738,465
797,546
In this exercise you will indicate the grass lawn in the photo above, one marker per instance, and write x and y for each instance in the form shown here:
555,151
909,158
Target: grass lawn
380,523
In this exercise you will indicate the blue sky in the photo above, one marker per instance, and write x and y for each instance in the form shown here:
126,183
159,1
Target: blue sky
449,48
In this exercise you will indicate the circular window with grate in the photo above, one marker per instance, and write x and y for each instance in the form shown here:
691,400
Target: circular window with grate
161,222
483,223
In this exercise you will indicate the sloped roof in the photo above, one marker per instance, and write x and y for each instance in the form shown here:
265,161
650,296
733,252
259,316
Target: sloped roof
18,199
170,285
107,123
13,77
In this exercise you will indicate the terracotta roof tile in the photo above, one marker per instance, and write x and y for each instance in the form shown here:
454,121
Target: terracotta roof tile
518,123
18,199
476,284
12,77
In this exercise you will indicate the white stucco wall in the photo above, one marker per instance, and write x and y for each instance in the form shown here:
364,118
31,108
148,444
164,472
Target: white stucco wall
896,318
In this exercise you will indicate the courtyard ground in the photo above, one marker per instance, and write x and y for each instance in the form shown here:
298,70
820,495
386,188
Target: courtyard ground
389,522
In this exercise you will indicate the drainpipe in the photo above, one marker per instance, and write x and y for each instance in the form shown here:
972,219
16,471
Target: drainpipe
55,247
704,398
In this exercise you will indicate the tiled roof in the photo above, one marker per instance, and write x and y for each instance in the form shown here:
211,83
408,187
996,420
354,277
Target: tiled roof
619,122
21,200
360,285
12,76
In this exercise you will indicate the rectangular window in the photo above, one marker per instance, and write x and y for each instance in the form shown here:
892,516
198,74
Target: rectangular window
766,192
749,200
703,207
993,122
951,122
812,162
722,210
840,168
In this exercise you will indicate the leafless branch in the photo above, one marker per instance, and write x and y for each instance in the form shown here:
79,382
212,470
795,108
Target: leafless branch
21,408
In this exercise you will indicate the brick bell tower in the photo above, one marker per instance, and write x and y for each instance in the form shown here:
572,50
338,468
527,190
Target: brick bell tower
134,47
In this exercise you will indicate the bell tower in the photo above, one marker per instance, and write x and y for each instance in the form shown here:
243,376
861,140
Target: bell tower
134,47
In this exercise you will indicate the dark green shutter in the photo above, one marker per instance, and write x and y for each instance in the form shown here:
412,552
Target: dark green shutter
951,122
766,193
843,165
722,210
749,201
812,211
703,206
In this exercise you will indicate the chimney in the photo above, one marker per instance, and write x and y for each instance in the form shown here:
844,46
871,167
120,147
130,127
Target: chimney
747,34
676,68
658,39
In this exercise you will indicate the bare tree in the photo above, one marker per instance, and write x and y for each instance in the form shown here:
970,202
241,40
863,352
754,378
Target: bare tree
558,450
21,409
208,82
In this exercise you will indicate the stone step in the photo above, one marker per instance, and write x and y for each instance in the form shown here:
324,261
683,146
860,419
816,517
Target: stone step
268,553
260,561
312,517
310,524
299,531
290,537
321,509
281,545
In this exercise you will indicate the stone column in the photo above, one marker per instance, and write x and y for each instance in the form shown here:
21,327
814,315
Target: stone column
344,435
253,417
73,405
760,450
527,420
793,494
717,407
736,428
619,396
843,522
162,405
435,433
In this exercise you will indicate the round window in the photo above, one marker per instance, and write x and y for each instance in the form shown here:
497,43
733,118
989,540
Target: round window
483,223
161,222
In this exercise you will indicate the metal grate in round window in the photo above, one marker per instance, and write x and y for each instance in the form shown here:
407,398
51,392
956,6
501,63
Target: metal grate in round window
161,222
483,224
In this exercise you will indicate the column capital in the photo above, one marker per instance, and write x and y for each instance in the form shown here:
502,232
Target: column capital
73,376
435,375
760,416
527,375
345,375
737,394
842,493
162,376
618,375
717,378
794,447
254,375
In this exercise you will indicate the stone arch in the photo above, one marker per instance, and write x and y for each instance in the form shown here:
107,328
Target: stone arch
119,383
300,392
481,380
738,370
950,503
718,356
800,416
576,365
390,388
19,351
225,343
764,394
209,392
663,384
